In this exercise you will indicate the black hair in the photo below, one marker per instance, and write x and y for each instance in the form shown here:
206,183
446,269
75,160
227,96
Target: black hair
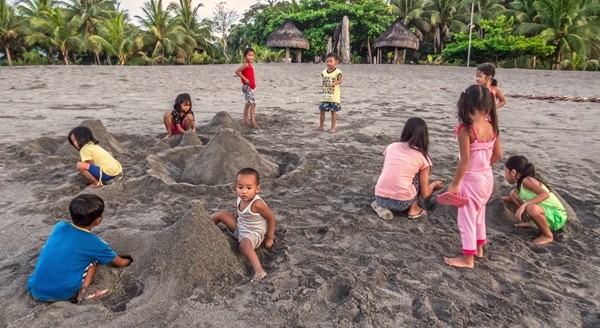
416,134
85,209
182,98
332,55
477,98
488,69
249,171
83,135
247,50
522,166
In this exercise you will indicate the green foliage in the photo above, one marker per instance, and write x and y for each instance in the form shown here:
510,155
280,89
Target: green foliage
200,58
498,44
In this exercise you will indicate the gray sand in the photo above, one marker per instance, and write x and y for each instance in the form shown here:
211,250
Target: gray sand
334,262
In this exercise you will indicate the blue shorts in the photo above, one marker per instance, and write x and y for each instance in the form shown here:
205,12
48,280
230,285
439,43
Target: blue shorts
96,172
327,106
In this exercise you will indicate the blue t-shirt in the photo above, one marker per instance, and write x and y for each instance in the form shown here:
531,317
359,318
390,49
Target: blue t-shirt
67,253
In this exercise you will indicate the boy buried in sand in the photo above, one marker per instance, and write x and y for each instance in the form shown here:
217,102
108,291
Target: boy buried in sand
254,217
330,99
68,261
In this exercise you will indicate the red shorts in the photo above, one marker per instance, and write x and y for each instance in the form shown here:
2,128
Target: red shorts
174,129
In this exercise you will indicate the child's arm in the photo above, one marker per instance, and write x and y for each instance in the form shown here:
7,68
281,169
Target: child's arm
535,186
121,261
464,144
497,152
500,97
426,188
337,82
261,208
238,72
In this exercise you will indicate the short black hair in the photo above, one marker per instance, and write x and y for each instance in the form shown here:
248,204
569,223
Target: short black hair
83,135
85,209
247,50
249,171
332,55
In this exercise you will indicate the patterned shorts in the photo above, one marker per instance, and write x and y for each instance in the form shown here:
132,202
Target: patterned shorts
399,205
248,94
327,106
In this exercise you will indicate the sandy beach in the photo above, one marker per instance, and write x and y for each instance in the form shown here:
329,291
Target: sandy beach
334,262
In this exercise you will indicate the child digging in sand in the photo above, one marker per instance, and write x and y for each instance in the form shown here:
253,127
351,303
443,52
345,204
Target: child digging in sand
67,263
479,148
253,222
181,118
246,74
534,199
405,173
97,165
330,99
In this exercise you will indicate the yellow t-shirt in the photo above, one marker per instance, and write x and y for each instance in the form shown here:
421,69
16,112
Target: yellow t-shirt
331,94
101,158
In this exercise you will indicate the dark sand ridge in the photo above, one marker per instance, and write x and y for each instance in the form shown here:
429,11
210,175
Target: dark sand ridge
334,263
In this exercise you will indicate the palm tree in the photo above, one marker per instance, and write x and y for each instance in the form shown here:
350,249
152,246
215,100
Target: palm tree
11,26
120,36
35,8
441,16
55,32
412,11
201,31
565,23
162,33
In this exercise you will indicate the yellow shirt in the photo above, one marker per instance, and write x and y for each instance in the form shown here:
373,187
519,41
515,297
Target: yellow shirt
331,94
101,158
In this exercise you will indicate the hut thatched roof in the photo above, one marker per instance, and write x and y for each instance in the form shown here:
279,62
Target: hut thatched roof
397,36
288,36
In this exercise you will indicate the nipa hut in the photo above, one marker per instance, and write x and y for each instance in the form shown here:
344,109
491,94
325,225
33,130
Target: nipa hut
288,36
398,37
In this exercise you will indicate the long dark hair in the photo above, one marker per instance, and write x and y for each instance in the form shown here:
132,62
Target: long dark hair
489,69
182,98
416,134
83,135
477,98
522,166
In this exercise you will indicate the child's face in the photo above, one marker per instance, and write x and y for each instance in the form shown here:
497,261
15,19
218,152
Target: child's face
246,187
510,175
481,78
331,62
74,141
186,106
250,56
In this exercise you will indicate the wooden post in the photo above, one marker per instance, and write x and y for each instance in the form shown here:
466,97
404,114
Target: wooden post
404,56
395,55
299,56
345,42
287,55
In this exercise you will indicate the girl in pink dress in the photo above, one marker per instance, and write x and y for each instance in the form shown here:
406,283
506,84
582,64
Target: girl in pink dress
479,148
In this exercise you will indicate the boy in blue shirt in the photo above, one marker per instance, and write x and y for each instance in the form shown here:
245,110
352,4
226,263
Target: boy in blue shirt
68,261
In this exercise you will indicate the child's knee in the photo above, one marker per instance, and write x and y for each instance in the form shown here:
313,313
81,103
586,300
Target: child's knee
82,166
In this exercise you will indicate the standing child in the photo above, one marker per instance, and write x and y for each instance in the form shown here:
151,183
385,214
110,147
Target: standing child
97,165
330,99
479,148
67,264
405,173
534,198
254,220
181,118
484,75
246,74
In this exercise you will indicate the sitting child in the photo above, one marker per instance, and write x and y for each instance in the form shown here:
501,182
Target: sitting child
67,263
181,118
534,198
253,222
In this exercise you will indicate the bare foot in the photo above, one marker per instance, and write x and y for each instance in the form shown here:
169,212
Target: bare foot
259,276
332,130
479,253
524,225
542,240
254,125
167,136
459,262
246,122
320,128
93,186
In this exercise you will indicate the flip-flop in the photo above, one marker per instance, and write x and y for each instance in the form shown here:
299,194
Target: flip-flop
418,215
453,199
382,212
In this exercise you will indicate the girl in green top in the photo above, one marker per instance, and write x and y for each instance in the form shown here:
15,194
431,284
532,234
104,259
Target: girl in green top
534,198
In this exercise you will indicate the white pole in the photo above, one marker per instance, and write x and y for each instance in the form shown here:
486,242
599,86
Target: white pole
470,32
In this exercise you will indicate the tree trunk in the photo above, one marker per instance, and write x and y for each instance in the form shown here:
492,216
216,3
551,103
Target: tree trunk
534,61
97,58
369,49
65,55
345,42
8,58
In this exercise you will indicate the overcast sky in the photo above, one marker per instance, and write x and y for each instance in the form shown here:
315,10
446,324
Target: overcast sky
135,6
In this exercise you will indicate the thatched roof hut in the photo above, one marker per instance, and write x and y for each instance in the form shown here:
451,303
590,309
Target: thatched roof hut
288,36
397,36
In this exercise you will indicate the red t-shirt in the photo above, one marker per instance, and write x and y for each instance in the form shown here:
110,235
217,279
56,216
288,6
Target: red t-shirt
249,74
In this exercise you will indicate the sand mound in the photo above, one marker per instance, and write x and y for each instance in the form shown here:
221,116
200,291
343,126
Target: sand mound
224,155
221,120
187,139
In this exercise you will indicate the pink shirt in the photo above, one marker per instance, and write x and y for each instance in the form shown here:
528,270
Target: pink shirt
400,165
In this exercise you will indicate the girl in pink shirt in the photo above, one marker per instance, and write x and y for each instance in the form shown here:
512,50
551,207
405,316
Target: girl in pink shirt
405,173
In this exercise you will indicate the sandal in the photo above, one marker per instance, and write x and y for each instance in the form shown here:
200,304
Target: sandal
382,212
453,199
418,215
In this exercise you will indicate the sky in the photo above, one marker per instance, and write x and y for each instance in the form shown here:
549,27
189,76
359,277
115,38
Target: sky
134,7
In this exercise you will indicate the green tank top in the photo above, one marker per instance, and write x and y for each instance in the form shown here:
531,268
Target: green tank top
551,202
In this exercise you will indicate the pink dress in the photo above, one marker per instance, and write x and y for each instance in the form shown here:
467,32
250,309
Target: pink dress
477,186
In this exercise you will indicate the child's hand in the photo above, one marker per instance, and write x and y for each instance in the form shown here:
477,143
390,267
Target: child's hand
437,185
520,211
268,243
453,188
